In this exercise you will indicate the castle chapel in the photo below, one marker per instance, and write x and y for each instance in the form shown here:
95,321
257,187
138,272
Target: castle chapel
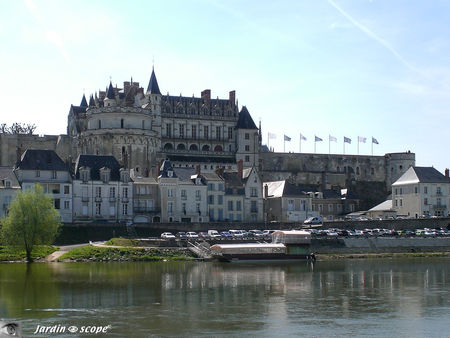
140,127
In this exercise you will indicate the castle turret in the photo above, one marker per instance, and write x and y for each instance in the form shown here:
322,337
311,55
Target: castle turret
153,93
83,102
110,100
247,139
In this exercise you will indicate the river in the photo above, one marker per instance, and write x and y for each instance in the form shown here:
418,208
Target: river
359,297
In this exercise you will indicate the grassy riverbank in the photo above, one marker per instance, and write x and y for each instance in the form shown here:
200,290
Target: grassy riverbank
383,255
13,254
104,254
123,242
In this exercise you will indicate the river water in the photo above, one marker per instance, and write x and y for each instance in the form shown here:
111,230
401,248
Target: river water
378,297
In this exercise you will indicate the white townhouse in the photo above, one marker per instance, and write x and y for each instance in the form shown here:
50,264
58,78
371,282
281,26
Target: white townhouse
421,191
46,168
8,189
102,190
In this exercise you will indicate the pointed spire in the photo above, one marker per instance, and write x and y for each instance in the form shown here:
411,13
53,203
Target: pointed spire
110,93
245,121
91,101
83,102
153,87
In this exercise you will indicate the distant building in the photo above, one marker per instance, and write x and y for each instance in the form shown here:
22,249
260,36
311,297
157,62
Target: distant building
384,210
102,190
421,191
146,199
286,202
46,168
9,185
332,204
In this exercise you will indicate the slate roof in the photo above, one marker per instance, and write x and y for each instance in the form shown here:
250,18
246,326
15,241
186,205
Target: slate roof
421,175
37,159
110,94
78,110
95,163
153,87
383,206
184,174
83,102
91,101
245,120
166,166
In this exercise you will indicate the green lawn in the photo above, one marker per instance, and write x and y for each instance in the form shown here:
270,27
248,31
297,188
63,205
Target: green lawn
10,253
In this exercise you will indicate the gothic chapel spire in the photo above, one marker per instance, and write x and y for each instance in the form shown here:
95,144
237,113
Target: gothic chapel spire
153,87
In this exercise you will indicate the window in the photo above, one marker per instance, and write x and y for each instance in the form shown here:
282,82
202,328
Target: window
290,205
220,217
238,217
211,199
194,131
220,199
98,208
197,207
38,173
247,148
121,123
168,130
415,190
66,205
54,175
230,133
182,130
238,206
170,207
105,177
7,184
396,203
330,207
425,190
125,192
112,210
230,205
247,136
85,175
143,124
253,207
184,208
205,132
218,133
396,191
183,194
66,189
247,158
438,191
57,203
211,186
112,192
401,202
98,191
211,214
84,209
230,217
425,201
339,208
169,192
372,171
99,124
197,195
220,186
357,170
125,209
254,192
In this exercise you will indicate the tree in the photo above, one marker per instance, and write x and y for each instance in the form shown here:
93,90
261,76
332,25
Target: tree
32,220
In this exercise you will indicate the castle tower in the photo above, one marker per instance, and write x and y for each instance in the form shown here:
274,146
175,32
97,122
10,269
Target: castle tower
247,140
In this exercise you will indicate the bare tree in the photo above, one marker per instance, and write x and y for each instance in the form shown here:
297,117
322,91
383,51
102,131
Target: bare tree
17,128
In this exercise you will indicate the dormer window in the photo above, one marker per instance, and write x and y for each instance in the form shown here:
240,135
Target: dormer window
38,173
105,177
105,174
169,173
124,175
84,173
7,184
54,174
198,181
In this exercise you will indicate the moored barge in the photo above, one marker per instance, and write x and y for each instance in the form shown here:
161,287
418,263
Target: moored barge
286,245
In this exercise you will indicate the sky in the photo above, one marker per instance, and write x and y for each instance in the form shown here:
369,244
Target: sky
317,67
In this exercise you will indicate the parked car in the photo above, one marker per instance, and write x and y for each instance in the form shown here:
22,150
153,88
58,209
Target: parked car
192,234
226,234
167,235
236,233
214,234
256,233
204,235
313,220
181,235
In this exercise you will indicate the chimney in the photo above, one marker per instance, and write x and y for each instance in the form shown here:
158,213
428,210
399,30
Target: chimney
240,166
266,191
446,172
197,169
206,96
233,98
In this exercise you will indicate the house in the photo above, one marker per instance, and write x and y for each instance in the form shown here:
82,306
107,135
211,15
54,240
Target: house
146,199
102,190
332,204
383,210
46,168
9,185
421,191
286,202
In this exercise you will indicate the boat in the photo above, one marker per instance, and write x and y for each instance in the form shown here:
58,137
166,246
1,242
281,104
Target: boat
286,245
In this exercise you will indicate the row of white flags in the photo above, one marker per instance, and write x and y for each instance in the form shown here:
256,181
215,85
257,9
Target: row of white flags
361,139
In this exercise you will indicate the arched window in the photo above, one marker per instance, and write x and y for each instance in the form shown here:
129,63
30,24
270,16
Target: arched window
181,146
168,146
193,147
218,148
205,147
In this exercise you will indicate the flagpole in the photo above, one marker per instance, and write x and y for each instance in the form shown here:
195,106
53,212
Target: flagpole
315,144
329,145
300,143
344,146
268,140
284,143
372,145
358,145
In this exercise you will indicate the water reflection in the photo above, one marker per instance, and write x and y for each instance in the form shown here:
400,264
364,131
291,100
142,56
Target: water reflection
180,298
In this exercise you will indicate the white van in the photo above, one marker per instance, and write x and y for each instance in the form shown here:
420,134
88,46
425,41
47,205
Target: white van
214,234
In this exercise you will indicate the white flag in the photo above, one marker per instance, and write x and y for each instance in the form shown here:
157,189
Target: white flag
333,139
272,136
361,139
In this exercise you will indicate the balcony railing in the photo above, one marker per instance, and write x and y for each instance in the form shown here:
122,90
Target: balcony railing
112,199
125,200
146,210
439,206
253,209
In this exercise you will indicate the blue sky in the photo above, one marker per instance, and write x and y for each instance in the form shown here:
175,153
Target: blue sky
337,67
